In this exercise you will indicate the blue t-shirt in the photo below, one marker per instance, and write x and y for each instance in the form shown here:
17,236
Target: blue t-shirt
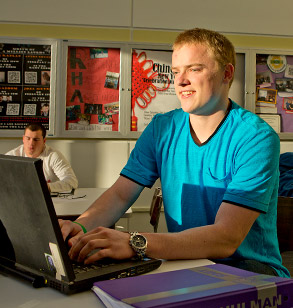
238,164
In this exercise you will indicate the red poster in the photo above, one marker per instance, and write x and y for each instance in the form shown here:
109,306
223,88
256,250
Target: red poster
92,98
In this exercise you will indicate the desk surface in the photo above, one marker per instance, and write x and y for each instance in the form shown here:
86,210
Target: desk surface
18,294
82,199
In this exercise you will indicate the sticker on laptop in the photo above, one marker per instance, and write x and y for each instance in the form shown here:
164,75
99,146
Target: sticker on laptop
50,263
57,260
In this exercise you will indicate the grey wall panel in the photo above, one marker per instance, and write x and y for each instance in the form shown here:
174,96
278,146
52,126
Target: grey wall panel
238,16
73,12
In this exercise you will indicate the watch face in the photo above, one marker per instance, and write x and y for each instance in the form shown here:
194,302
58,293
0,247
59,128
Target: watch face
139,241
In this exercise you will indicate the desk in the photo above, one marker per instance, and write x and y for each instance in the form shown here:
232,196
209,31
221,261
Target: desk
71,208
18,294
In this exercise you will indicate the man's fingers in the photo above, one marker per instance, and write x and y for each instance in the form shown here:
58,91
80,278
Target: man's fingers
69,228
98,255
84,245
65,228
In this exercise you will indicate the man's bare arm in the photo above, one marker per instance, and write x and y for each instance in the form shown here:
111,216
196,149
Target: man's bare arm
108,208
215,241
218,240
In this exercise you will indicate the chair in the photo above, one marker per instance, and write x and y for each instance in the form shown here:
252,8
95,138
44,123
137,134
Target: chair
155,209
285,231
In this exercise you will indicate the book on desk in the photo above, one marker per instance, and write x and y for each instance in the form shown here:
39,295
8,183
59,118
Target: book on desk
210,286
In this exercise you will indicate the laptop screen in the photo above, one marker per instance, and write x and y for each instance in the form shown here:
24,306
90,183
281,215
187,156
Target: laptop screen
29,234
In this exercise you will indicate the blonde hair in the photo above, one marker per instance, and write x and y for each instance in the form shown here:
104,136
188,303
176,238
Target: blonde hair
222,49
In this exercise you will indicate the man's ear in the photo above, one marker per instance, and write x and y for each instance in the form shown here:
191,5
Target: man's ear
45,140
228,73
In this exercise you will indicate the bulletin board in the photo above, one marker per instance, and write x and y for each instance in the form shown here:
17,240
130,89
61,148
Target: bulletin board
152,84
27,81
274,89
92,96
94,87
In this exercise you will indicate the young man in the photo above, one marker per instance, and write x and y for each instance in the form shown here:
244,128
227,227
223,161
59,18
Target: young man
57,170
218,165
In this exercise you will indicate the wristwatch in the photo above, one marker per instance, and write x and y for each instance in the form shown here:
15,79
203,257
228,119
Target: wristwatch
138,243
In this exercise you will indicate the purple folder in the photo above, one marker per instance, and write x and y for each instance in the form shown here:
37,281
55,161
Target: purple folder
210,286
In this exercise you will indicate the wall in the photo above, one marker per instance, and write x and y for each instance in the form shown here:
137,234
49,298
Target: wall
230,16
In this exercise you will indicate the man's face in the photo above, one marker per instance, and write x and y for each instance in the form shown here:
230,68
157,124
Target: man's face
33,143
198,79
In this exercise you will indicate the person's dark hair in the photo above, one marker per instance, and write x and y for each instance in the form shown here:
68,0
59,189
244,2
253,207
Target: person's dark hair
35,127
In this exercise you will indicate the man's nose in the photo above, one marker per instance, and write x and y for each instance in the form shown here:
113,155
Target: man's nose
182,79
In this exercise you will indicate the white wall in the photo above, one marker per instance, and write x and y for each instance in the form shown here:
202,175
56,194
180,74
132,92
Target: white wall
233,16
97,163
286,146
71,12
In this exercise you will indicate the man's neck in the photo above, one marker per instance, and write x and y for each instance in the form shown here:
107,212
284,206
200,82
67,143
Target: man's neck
202,127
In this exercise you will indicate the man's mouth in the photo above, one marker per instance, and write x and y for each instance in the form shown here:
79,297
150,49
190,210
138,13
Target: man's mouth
187,93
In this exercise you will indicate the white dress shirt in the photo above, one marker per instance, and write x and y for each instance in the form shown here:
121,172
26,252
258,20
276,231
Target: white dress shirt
57,170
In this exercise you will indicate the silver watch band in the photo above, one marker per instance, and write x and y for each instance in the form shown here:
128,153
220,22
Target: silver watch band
138,243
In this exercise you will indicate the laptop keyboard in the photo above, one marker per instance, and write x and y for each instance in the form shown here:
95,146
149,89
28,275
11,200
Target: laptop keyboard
81,268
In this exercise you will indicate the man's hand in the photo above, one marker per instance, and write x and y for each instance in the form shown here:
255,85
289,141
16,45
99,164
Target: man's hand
101,243
70,230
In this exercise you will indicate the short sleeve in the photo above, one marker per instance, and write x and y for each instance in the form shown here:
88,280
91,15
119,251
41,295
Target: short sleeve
142,164
255,171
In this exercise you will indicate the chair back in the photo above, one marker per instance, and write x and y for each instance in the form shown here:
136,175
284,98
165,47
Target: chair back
285,223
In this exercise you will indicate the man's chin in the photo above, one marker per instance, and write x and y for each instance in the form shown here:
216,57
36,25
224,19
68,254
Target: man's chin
190,110
31,154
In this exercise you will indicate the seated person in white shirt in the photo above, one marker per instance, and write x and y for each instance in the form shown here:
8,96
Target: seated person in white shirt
57,170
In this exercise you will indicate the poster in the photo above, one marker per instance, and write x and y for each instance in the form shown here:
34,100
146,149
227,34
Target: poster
274,84
92,96
152,86
25,71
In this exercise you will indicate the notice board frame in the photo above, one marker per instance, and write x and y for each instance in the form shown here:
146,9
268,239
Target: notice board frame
33,52
252,75
81,98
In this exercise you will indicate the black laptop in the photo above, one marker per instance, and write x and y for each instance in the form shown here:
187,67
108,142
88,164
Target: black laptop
31,243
